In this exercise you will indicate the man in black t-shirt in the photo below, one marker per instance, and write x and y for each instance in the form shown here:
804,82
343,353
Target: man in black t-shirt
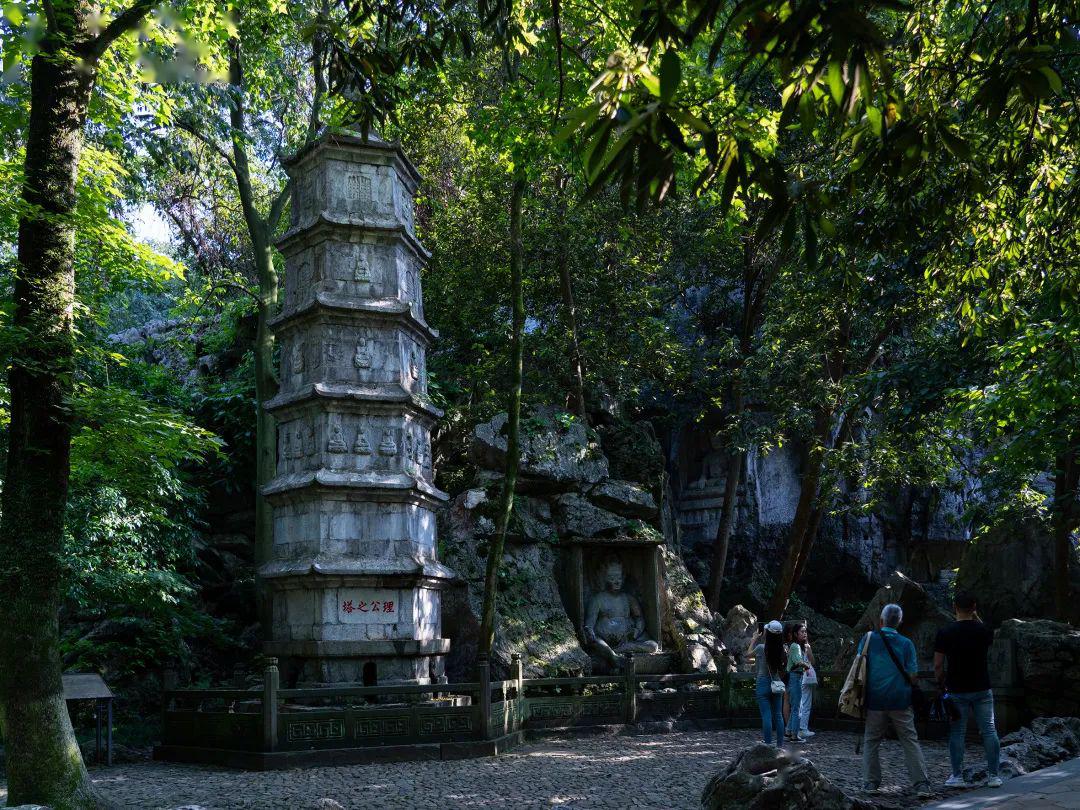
960,666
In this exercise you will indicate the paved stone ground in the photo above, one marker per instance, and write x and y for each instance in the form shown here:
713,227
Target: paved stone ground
1053,788
663,771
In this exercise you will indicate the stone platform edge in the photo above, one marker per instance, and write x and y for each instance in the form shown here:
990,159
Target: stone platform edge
282,760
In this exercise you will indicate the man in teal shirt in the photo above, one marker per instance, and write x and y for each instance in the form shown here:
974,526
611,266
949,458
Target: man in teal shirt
889,701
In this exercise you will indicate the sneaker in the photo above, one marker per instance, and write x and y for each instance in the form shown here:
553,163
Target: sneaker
923,790
807,733
955,782
869,787
995,781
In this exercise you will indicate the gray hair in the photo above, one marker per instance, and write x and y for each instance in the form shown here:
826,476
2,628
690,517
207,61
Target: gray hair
892,615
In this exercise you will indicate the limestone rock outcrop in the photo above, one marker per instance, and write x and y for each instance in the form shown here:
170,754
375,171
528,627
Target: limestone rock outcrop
1048,657
532,620
762,778
689,623
564,497
1010,569
624,498
923,617
740,625
555,453
1046,742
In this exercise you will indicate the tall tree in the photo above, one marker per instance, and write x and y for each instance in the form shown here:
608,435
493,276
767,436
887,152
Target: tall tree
513,413
43,761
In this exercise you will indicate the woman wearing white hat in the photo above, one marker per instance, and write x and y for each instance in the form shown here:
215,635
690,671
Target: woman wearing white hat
767,649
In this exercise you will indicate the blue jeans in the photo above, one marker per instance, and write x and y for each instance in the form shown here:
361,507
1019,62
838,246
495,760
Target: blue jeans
982,705
772,711
794,689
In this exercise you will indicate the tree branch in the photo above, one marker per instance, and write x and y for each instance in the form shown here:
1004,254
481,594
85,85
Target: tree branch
192,130
277,207
125,21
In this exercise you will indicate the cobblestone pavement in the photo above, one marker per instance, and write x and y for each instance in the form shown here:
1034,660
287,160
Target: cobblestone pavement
654,771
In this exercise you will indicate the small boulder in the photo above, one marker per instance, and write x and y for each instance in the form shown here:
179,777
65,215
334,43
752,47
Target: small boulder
624,498
763,778
1048,741
699,658
738,629
327,804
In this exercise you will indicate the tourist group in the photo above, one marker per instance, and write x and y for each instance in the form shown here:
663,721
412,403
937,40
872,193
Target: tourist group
881,689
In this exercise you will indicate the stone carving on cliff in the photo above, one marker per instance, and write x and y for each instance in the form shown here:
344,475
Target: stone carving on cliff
614,623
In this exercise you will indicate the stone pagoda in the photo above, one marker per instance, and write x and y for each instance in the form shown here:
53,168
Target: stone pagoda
352,577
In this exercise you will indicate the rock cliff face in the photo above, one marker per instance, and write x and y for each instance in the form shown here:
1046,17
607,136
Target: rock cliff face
853,555
1048,659
1010,569
566,494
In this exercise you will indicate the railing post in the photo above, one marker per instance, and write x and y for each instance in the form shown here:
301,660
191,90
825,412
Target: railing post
270,705
516,672
483,671
629,687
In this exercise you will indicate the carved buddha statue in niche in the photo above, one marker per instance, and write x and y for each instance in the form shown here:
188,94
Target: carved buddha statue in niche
614,623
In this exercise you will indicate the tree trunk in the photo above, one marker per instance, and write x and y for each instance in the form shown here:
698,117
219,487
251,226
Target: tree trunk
261,232
575,348
727,514
800,525
43,762
1066,479
266,385
506,500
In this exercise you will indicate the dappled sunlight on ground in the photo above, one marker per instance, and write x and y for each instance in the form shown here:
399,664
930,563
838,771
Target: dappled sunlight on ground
608,771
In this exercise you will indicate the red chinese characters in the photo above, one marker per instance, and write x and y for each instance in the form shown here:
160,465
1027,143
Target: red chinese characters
350,606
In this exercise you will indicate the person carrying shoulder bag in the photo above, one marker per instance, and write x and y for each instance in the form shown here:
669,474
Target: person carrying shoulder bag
889,701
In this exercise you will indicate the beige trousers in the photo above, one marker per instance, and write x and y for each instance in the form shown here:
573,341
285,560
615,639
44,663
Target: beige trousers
904,723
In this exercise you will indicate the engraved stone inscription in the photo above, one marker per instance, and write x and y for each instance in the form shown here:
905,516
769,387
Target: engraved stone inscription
368,606
361,270
359,190
414,363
